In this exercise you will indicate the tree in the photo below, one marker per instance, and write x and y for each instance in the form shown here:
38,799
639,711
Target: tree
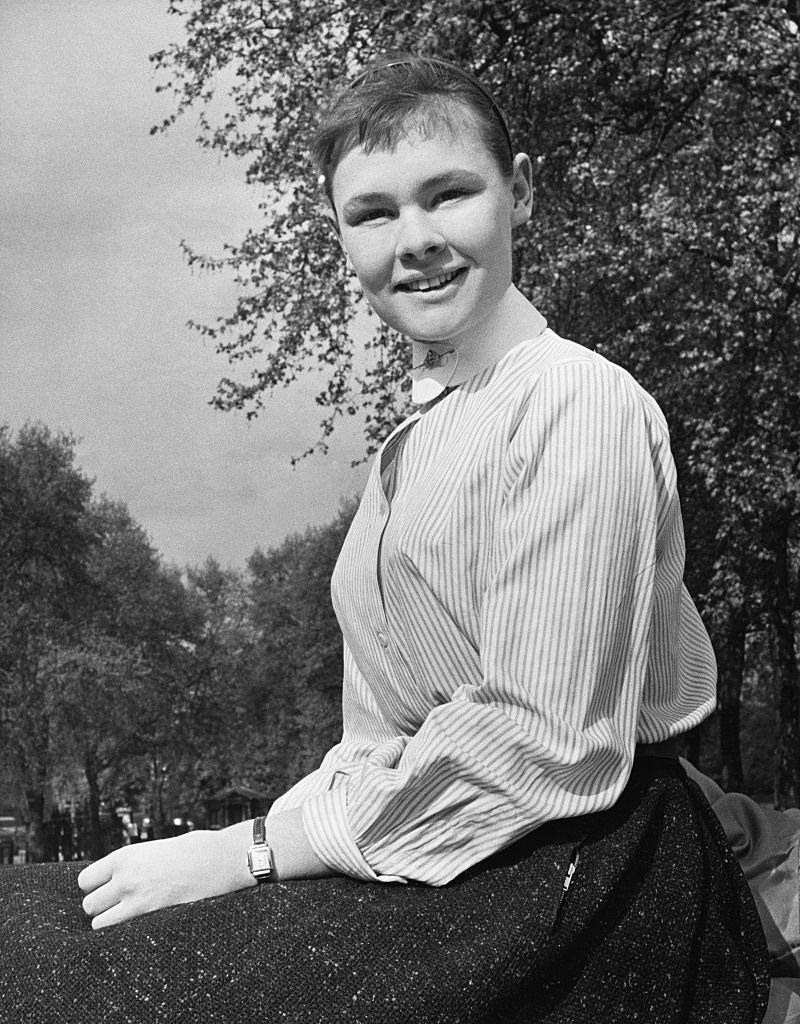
666,137
45,539
44,535
94,688
142,610
612,100
93,634
295,689
220,739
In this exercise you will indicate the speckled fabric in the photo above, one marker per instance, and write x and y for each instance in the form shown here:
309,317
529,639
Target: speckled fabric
657,927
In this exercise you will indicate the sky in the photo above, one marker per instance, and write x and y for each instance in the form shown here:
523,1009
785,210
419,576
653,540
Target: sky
95,293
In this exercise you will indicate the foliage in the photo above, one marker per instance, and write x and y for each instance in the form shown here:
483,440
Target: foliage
44,543
296,692
666,139
123,681
216,749
43,497
92,628
621,104
93,690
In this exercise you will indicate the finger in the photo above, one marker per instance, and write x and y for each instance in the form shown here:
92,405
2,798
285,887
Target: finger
100,900
114,915
95,874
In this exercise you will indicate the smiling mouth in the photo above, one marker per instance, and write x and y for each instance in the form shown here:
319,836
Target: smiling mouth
431,284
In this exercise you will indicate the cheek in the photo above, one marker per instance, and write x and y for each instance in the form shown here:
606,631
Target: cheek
497,245
486,234
368,259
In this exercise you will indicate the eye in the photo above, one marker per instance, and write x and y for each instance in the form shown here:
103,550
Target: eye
449,195
370,216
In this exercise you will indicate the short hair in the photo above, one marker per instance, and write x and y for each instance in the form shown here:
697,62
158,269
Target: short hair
373,110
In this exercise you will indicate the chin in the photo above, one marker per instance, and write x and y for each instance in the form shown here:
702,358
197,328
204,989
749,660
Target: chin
447,335
432,332
439,327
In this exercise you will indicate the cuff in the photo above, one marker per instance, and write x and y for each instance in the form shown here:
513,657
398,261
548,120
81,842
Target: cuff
328,831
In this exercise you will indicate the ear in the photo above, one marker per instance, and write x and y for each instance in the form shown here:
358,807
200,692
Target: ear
522,190
329,214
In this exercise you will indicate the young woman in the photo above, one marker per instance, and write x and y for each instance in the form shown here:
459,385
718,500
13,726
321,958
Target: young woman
519,652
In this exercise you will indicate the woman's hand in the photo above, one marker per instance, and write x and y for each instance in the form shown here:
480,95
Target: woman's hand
148,876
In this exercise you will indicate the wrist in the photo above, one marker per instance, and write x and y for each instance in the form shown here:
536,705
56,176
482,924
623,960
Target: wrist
259,855
235,841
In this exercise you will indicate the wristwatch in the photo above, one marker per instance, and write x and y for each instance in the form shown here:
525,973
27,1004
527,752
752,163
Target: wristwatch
259,856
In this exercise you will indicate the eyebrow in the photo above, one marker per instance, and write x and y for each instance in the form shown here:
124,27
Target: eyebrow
460,177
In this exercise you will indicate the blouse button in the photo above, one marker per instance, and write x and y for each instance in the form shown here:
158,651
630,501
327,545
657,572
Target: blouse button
383,639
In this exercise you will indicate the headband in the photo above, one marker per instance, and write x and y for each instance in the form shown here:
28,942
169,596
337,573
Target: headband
448,65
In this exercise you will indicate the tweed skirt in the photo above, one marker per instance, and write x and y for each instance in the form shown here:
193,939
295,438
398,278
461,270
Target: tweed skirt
656,926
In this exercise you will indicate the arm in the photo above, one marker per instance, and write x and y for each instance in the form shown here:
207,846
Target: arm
548,728
148,876
365,733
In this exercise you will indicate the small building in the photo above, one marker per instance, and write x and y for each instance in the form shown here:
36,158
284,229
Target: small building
234,804
8,838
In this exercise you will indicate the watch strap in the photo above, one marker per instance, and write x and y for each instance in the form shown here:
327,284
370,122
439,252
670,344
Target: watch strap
260,830
259,856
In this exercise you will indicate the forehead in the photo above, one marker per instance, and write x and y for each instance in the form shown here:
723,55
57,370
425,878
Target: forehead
423,150
381,125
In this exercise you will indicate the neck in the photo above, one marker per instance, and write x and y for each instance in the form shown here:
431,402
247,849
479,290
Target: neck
463,356
512,321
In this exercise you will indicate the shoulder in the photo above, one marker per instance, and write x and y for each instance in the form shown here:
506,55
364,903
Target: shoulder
554,376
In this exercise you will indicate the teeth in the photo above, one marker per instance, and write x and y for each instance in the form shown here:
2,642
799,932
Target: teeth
430,282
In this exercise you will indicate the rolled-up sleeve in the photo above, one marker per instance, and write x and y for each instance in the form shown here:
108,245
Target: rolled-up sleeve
548,728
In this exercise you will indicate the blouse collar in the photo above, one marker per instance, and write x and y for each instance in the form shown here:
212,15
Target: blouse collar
437,365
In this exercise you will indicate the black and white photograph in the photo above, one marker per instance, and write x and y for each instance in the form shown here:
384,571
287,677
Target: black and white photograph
400,512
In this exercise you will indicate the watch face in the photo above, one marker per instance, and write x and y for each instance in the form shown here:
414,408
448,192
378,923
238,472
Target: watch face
259,860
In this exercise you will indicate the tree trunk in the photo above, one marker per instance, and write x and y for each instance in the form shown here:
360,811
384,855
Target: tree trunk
96,846
32,743
35,838
158,778
730,661
787,747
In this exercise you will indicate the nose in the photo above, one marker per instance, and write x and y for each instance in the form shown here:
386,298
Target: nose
417,235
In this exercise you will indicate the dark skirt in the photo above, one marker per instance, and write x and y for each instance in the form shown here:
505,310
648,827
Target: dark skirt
657,925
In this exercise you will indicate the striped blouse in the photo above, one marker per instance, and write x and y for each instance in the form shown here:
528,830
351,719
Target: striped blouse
514,620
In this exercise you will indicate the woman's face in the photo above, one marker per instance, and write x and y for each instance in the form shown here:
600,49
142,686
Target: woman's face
427,227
